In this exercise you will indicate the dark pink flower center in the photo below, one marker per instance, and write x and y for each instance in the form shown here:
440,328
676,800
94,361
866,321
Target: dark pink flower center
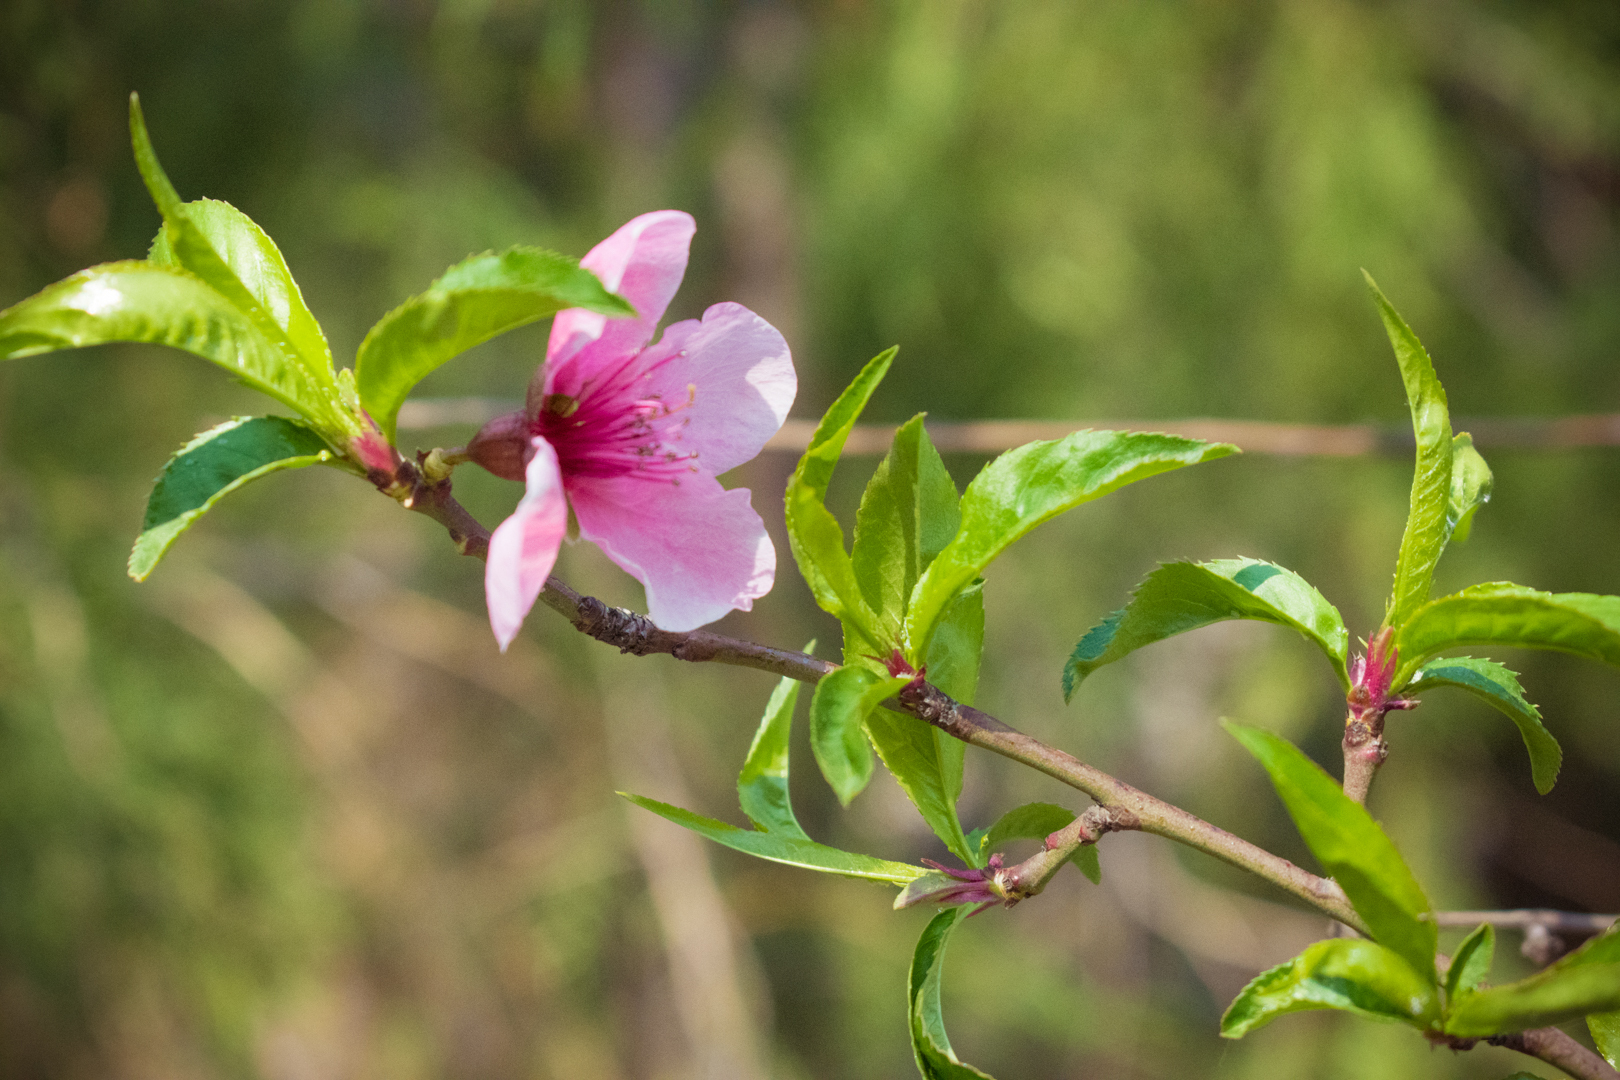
613,427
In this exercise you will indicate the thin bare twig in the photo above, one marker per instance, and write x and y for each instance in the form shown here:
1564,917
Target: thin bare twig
1254,436
1573,923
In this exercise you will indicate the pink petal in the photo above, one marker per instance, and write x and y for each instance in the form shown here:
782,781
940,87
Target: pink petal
523,548
699,549
738,372
644,262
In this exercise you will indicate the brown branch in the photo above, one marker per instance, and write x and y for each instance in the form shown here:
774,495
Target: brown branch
1557,1048
1254,436
1573,923
1129,808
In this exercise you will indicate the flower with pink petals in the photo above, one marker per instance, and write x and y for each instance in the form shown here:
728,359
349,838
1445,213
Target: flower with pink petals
630,436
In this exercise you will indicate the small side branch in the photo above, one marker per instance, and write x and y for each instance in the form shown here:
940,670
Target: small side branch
1128,807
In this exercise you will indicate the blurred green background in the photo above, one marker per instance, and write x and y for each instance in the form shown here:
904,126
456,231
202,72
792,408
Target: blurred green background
285,812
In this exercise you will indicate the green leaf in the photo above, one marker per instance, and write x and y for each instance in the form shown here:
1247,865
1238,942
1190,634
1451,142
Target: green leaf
837,734
1605,1029
1182,596
1471,962
762,785
925,761
1351,846
908,513
932,1047
1427,527
1584,982
477,299
1034,483
814,534
927,765
1350,974
1037,821
212,465
1470,487
197,240
778,847
1496,685
1501,613
957,647
257,264
1543,999
158,305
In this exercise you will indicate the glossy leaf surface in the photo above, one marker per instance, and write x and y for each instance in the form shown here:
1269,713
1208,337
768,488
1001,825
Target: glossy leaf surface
1351,847
257,264
1586,981
1470,487
1471,963
931,1046
197,241
1350,974
908,513
1182,596
814,534
213,465
475,300
1426,521
1034,483
1499,687
1605,1029
762,785
143,303
1501,613
782,848
838,713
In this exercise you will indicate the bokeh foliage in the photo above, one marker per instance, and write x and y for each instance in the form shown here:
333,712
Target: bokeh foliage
283,812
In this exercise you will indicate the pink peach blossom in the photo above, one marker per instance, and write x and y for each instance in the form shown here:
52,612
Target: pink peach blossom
631,436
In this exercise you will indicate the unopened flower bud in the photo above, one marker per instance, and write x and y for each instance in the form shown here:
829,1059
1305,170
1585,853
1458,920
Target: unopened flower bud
502,446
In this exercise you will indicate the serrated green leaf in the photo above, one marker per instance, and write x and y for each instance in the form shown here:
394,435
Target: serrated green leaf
1471,962
213,465
1349,974
792,850
1426,521
1350,846
1496,685
157,305
929,1043
1584,982
1032,484
1605,1029
1470,487
908,513
1182,596
197,240
258,265
1539,1001
1037,821
838,711
762,785
814,534
479,298
1501,613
